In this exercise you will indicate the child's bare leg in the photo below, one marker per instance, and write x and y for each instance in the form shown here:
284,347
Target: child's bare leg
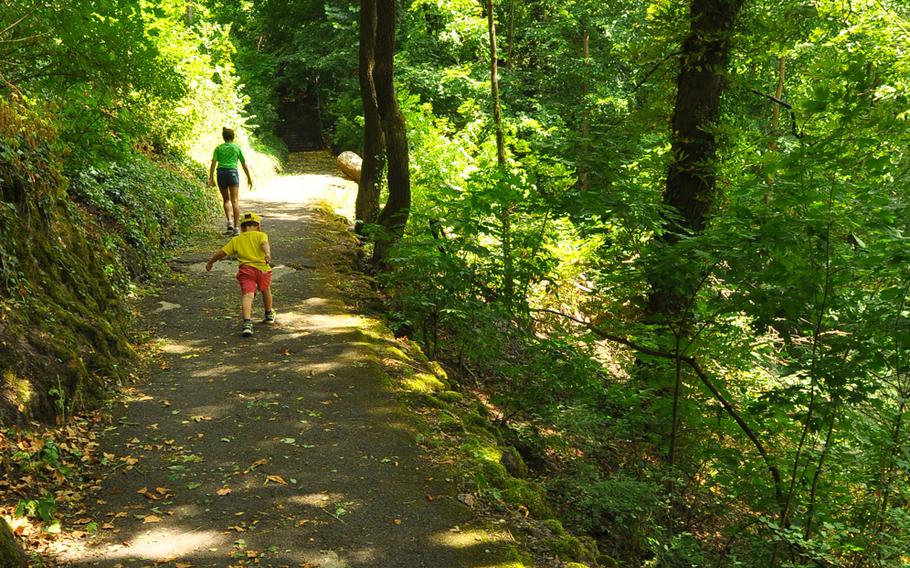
235,203
246,305
267,299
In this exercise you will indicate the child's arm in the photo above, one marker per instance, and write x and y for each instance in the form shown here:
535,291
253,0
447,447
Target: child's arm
268,252
212,172
215,258
249,178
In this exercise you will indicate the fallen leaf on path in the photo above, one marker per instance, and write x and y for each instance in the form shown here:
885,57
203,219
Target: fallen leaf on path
275,479
182,565
151,519
148,494
256,464
224,491
396,522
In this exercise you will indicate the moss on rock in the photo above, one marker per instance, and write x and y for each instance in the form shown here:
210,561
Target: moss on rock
513,463
574,549
450,396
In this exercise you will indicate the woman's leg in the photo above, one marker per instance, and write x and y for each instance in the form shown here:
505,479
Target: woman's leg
235,203
226,202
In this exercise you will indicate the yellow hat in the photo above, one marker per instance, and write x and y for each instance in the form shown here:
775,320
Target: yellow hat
250,218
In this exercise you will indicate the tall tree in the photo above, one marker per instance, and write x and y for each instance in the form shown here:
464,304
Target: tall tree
394,215
691,180
367,204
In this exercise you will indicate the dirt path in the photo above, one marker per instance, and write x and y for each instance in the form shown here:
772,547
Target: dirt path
283,449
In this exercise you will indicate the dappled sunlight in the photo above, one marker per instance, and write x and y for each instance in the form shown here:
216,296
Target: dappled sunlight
217,268
463,538
303,188
217,372
182,347
166,306
164,544
325,323
317,499
158,545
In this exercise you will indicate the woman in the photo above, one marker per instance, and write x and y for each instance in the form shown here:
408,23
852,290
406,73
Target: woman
225,158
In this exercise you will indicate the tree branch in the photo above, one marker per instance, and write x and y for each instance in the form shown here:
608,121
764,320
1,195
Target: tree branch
793,129
706,381
653,69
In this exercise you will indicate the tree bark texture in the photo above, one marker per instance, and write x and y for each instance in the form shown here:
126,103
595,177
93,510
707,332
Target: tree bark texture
367,204
11,554
394,215
691,176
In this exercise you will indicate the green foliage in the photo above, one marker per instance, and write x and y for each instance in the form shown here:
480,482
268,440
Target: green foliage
145,209
798,311
44,508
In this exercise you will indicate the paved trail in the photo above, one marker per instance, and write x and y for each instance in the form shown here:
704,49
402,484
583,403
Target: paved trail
282,449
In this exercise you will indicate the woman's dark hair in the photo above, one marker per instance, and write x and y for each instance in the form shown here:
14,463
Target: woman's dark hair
227,134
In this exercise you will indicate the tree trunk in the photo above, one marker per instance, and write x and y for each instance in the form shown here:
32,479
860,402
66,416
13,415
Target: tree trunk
511,35
691,179
367,203
11,554
583,172
394,215
508,276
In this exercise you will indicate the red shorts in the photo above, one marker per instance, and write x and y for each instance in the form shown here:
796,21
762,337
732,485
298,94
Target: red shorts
252,279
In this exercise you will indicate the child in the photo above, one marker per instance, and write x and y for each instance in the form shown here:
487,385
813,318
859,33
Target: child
255,256
226,157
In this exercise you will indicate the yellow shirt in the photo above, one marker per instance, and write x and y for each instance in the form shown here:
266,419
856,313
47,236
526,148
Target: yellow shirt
248,248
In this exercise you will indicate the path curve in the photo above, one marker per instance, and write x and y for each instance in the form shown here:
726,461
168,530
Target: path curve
283,449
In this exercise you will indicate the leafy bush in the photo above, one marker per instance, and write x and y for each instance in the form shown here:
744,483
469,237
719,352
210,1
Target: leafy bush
145,209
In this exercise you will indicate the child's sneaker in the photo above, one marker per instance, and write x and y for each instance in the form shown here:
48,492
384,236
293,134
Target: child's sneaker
236,231
269,317
247,328
229,230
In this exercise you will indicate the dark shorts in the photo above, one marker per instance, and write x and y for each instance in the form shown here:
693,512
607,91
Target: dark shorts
228,178
252,279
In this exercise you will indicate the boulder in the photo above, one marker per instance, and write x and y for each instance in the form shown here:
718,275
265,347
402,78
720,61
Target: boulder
350,163
513,463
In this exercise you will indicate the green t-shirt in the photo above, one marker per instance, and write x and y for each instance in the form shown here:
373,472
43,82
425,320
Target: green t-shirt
227,155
